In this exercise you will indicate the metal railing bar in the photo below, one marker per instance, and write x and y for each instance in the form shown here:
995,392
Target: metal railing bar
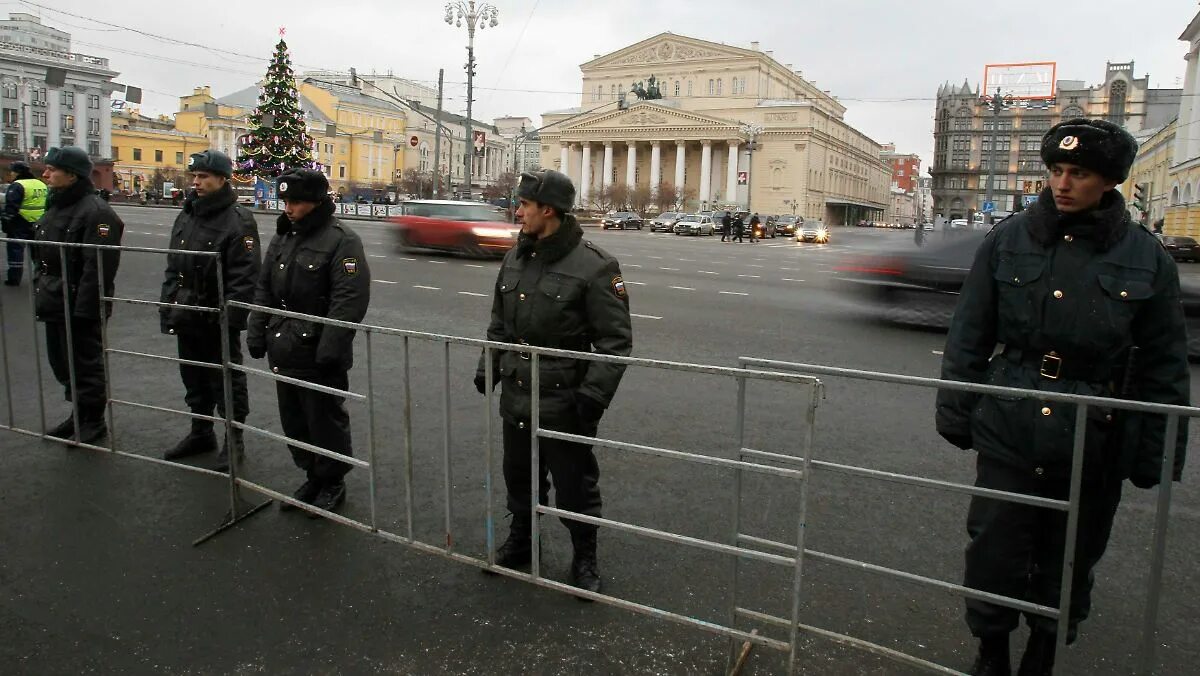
861,644
298,382
357,462
1162,514
669,537
332,516
163,357
960,386
156,303
675,455
112,247
173,411
125,454
1067,574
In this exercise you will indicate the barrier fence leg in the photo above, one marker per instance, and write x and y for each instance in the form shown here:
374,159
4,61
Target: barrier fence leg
239,509
371,431
535,469
810,422
408,443
1068,571
7,370
446,441
108,407
736,524
37,345
70,337
1162,513
488,451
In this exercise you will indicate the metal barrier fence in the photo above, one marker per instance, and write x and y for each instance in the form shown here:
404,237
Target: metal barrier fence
1147,645
796,468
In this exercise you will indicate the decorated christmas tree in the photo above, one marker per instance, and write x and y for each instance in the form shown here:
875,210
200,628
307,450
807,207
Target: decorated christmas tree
277,140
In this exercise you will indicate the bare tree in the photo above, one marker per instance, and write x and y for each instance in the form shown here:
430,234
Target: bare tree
614,196
505,185
640,198
683,195
416,182
664,196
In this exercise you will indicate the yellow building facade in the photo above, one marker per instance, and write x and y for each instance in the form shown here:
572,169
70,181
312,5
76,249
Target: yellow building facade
1156,153
1183,198
142,146
360,139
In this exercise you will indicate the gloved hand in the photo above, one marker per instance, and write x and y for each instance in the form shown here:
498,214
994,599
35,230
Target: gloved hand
255,349
590,411
481,383
962,441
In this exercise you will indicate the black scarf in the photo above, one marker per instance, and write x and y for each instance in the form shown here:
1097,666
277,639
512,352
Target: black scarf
554,247
205,207
315,219
1105,225
68,196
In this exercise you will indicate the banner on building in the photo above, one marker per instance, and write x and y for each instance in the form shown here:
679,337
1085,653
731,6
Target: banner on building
1020,81
479,140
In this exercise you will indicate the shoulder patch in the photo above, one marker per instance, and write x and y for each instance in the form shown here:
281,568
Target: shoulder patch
103,229
618,287
350,265
248,241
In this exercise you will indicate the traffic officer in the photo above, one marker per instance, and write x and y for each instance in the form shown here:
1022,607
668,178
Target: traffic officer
315,265
24,204
75,214
211,220
556,289
726,223
1084,302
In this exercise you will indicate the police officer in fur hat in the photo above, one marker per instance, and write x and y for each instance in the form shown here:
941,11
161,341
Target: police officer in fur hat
315,265
211,221
74,213
555,289
24,204
1084,302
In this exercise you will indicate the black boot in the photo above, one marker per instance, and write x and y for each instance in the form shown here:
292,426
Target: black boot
584,573
332,495
1038,659
307,492
200,439
993,657
239,450
517,550
64,429
91,427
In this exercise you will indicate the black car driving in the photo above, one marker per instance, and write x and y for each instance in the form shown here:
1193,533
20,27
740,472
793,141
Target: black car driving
625,220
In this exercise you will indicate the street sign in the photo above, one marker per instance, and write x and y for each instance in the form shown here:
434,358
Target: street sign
413,141
743,177
989,207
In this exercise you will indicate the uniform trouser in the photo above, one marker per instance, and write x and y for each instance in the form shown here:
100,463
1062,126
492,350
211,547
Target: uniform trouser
724,233
573,467
737,234
204,387
16,252
1017,550
319,419
89,395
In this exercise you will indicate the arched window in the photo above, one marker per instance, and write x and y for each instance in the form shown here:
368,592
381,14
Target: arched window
1187,194
1117,92
720,87
689,87
1174,195
711,87
677,89
613,91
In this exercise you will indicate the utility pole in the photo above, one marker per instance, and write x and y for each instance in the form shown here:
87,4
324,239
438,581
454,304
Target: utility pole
996,103
437,138
477,16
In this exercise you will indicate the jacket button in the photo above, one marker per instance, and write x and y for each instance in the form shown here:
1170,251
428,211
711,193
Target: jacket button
275,369
521,383
1016,280
1108,417
503,287
1058,294
1124,294
303,335
533,255
1046,410
521,425
171,331
1068,238
310,267
1039,471
277,335
522,296
281,266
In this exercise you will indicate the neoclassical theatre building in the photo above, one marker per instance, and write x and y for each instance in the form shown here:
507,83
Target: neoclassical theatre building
714,100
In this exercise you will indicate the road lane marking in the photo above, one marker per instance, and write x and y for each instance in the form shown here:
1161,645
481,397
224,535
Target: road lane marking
407,259
472,293
657,258
686,260
631,265
634,314
756,266
792,280
376,256
472,265
788,269
670,269
384,281
635,283
708,272
682,288
438,262
937,352
733,293
427,288
750,276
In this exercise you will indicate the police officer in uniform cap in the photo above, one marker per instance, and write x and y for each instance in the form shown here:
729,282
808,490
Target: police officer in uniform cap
24,204
315,265
1086,302
211,220
556,290
74,213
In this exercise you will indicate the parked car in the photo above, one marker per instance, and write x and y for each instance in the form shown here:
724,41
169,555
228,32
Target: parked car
665,222
695,224
471,228
786,225
813,231
765,230
625,220
1183,249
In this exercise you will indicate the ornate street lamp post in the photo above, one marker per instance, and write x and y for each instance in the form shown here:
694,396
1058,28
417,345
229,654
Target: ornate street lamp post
751,132
476,16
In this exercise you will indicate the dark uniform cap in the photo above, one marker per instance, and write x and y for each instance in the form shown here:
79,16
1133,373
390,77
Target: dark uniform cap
19,167
211,161
1098,145
303,185
548,187
72,159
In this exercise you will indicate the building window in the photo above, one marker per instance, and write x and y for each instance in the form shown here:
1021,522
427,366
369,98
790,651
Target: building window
94,148
68,123
10,142
137,154
10,117
39,142
711,87
720,87
94,101
612,91
93,127
10,90
39,118
68,100
178,158
342,171
158,155
689,88
1117,92
38,97
115,153
677,89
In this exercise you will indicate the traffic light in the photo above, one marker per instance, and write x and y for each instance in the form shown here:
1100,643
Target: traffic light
1141,197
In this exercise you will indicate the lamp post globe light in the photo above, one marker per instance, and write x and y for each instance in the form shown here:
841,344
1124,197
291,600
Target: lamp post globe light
475,16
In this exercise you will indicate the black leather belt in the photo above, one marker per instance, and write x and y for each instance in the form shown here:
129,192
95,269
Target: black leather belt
1053,366
583,346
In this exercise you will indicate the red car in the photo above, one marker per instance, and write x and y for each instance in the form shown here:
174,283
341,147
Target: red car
471,228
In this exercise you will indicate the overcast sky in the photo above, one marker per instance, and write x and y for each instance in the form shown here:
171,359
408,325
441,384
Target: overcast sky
885,60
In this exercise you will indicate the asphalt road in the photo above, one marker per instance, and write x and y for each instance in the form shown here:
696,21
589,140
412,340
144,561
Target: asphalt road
97,574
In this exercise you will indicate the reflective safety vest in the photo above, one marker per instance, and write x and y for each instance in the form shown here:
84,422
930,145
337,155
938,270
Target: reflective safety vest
34,204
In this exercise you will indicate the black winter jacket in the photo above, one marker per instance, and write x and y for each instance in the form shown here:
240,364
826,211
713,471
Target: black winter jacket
315,266
560,292
211,223
75,214
1083,288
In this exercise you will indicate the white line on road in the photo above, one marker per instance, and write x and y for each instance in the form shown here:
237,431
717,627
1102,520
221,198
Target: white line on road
376,256
682,288
407,259
792,280
427,288
634,314
733,293
384,281
708,272
657,258
937,352
755,266
686,260
631,265
438,262
718,263
472,265
751,276
636,283
472,293
788,269
670,269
